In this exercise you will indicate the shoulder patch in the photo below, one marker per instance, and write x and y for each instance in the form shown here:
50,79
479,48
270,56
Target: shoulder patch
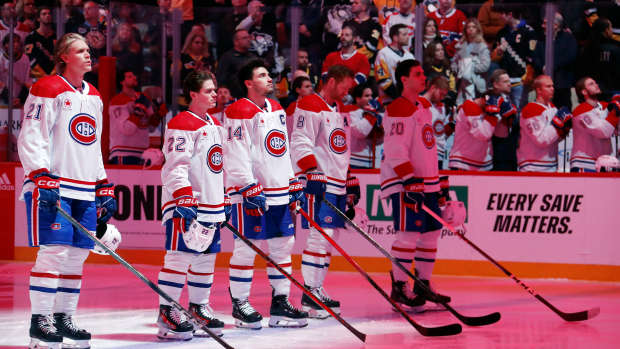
313,103
241,109
400,107
471,109
50,87
531,110
582,108
186,122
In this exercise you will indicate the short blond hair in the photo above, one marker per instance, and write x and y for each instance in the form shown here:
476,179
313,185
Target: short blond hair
62,47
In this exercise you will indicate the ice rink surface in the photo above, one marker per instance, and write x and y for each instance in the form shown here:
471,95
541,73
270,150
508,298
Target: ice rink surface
120,311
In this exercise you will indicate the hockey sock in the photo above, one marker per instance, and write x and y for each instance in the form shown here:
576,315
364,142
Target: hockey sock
172,276
280,252
70,280
200,278
334,234
426,250
241,269
44,278
313,258
403,250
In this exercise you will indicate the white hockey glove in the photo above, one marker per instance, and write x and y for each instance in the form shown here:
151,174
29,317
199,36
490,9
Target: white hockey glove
199,237
109,236
454,213
152,157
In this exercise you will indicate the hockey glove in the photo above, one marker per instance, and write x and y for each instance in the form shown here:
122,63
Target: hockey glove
105,202
316,183
507,110
46,189
444,190
562,121
254,200
353,191
492,105
295,193
613,111
227,207
109,236
199,235
186,211
414,193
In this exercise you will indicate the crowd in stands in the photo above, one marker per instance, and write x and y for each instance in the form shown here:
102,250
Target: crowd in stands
464,43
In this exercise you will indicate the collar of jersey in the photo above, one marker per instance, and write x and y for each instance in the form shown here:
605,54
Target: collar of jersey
84,85
266,108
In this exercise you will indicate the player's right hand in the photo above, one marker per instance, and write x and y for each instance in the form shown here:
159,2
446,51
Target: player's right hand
186,210
254,200
414,193
316,184
444,190
562,121
46,190
492,105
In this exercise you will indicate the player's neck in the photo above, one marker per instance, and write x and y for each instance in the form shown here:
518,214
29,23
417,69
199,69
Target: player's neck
74,78
199,110
410,95
592,101
327,97
258,99
543,101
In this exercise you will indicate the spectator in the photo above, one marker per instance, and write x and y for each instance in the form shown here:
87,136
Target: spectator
564,58
367,29
223,100
443,124
593,126
94,29
515,48
195,54
437,64
403,16
367,134
302,86
431,32
21,72
601,59
388,57
543,126
506,133
227,25
471,62
262,28
385,8
475,124
27,12
303,63
231,61
39,45
7,15
127,49
131,119
491,21
450,22
348,56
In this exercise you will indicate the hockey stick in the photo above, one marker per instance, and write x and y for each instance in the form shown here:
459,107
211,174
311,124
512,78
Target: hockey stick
446,330
467,320
358,334
153,286
576,316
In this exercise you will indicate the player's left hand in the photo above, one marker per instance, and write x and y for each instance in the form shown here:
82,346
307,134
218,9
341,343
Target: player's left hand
105,200
296,193
353,191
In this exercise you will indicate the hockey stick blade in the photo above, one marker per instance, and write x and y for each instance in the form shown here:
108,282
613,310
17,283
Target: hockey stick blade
360,335
577,316
141,276
467,320
447,330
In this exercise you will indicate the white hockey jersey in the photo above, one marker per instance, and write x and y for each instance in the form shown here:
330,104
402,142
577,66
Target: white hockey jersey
61,132
256,150
385,65
399,18
440,120
472,149
130,133
364,153
321,140
410,149
538,145
592,133
194,165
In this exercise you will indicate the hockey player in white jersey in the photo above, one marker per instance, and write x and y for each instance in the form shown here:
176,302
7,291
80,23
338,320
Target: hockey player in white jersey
594,122
261,185
409,178
443,125
60,151
320,154
542,127
193,208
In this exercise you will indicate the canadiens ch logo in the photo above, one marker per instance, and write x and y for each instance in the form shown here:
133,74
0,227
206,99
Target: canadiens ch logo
428,137
275,143
214,158
338,141
83,129
439,128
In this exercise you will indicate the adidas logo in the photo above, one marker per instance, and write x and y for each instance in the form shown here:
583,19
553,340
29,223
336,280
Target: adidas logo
5,183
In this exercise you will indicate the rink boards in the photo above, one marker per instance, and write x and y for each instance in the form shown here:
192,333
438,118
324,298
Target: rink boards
558,225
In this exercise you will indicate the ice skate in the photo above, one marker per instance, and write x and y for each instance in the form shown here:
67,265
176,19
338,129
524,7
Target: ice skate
173,325
43,333
74,336
429,294
314,310
402,294
245,315
205,314
283,314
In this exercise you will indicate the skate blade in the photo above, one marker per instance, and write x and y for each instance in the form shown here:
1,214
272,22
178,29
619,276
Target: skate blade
76,344
249,325
319,314
203,334
283,321
168,335
38,344
415,310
